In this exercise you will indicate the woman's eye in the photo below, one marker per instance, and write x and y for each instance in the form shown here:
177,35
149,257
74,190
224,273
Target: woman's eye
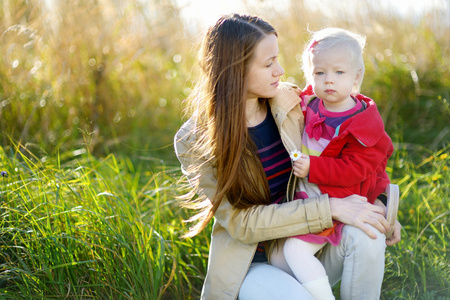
319,73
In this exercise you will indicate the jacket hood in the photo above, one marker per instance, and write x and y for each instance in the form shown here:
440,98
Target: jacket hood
367,126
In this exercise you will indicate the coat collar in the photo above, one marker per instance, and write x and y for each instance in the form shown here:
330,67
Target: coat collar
367,126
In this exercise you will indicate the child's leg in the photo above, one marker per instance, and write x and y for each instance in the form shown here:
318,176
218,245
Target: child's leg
307,268
277,258
300,258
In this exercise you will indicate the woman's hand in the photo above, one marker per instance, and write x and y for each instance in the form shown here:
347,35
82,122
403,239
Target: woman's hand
396,237
396,234
356,211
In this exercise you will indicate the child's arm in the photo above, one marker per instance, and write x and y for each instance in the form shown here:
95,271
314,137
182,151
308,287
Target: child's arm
353,165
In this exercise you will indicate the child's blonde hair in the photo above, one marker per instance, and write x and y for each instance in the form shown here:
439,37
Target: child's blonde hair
335,37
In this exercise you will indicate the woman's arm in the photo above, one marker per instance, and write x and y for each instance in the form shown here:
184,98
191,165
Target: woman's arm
267,222
261,222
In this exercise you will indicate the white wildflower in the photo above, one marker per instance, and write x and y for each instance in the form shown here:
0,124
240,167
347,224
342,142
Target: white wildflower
295,155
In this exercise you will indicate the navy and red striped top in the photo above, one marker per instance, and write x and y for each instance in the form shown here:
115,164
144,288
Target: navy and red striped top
276,163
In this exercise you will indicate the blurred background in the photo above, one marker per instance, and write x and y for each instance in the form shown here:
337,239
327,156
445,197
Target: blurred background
91,95
111,76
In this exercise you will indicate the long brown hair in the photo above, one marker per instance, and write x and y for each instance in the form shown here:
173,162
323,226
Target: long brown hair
217,106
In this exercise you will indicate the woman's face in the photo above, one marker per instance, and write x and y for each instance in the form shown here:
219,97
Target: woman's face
265,71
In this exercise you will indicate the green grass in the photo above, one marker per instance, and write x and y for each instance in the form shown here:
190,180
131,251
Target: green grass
419,266
79,227
87,228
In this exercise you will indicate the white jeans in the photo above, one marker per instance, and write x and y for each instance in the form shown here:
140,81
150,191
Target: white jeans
358,262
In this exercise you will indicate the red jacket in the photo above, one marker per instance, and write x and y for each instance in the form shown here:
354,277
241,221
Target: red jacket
354,162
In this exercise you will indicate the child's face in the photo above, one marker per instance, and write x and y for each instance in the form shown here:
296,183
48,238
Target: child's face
334,75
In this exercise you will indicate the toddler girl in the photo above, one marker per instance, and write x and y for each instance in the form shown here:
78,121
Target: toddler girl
344,147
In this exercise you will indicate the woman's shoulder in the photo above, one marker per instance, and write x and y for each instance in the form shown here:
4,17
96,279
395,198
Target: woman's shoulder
186,130
185,135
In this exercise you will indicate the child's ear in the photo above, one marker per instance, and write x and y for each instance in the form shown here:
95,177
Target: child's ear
358,76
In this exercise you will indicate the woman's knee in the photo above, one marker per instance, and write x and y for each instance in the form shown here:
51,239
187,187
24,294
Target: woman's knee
264,281
360,240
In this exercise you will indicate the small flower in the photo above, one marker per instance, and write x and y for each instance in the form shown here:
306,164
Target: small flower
295,155
436,177
4,174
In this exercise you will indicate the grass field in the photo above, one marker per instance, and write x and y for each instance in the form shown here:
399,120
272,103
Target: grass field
89,180
80,227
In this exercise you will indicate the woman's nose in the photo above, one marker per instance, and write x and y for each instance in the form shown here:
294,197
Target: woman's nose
279,71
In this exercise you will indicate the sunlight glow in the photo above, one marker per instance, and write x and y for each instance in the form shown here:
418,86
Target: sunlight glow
201,13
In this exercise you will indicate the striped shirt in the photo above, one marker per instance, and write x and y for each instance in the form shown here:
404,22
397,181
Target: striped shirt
322,125
276,163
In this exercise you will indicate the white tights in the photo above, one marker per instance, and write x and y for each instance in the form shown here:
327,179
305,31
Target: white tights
297,258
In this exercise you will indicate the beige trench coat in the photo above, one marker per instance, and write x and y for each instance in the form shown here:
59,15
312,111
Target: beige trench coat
236,233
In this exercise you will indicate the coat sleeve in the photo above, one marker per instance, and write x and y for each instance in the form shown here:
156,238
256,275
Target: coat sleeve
353,165
260,222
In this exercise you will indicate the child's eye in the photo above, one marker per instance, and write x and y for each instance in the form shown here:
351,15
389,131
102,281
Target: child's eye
339,72
319,73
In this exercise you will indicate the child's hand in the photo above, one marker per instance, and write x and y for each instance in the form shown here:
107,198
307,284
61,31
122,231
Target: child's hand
301,166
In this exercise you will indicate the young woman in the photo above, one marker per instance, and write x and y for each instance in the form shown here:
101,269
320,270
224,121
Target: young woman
235,159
